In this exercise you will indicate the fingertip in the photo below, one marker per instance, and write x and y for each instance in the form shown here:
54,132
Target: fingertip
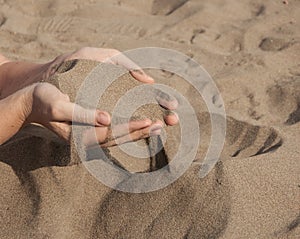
155,132
103,118
156,128
171,119
142,76
158,124
147,122
150,79
167,104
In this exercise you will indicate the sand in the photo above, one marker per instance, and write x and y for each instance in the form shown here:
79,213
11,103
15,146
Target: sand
250,48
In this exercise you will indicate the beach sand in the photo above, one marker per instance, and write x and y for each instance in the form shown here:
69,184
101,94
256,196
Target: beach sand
251,50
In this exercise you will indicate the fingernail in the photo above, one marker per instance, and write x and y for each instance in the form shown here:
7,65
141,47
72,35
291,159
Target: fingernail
171,118
157,125
148,122
103,118
156,129
155,132
142,73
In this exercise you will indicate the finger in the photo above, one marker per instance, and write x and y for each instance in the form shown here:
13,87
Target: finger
165,100
111,56
91,53
103,135
171,118
135,70
122,129
155,129
67,111
141,133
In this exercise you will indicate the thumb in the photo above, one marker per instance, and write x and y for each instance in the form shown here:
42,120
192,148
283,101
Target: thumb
67,111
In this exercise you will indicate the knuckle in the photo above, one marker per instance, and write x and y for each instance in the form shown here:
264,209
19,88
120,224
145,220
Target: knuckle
84,117
143,133
39,88
81,52
84,49
66,97
54,110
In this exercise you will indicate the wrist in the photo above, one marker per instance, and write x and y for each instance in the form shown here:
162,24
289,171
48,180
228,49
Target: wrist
15,76
27,113
16,108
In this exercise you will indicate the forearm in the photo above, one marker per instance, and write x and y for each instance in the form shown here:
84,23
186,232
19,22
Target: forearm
17,75
14,113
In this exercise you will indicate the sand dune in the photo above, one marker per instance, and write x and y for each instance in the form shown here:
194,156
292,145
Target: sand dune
251,50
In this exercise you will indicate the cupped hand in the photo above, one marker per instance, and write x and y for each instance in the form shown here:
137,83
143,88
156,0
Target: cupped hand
115,57
53,109
110,56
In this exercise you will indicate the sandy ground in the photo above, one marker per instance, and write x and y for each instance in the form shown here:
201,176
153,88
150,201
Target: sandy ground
250,48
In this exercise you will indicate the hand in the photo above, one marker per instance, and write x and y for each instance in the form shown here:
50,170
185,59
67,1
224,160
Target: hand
53,109
111,56
117,58
45,104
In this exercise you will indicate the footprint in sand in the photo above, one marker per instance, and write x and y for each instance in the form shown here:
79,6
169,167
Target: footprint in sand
15,37
258,9
219,41
131,27
55,24
284,100
274,44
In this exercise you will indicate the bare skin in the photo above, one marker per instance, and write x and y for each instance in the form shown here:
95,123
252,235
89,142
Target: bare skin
24,100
